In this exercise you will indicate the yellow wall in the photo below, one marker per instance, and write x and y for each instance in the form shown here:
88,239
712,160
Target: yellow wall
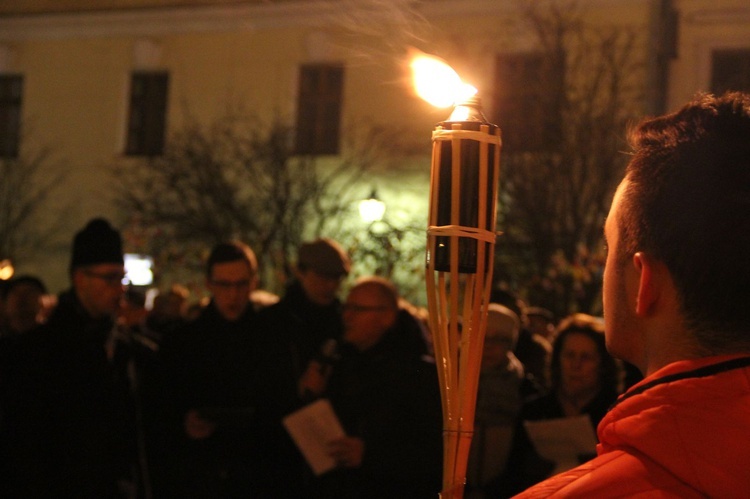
77,69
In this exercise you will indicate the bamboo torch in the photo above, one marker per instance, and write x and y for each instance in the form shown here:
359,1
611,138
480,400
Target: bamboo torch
460,253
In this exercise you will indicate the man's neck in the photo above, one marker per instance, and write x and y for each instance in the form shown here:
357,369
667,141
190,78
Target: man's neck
674,344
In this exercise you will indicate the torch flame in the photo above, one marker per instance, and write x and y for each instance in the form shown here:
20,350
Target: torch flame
437,83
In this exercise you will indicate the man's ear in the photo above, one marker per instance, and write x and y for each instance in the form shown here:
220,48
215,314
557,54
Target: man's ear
648,286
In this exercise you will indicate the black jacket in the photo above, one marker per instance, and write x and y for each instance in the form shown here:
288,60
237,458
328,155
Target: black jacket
68,417
291,333
389,397
208,365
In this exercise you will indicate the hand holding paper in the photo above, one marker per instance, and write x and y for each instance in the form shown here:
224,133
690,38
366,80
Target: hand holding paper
313,428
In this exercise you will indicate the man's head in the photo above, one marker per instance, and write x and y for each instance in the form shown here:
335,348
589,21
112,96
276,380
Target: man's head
170,304
371,309
682,216
23,301
96,268
541,321
321,266
231,275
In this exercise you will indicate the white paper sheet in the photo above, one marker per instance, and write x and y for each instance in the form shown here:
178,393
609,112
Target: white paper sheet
311,428
562,440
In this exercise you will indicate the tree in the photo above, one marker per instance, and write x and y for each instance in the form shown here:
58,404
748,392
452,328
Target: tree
555,200
27,183
239,178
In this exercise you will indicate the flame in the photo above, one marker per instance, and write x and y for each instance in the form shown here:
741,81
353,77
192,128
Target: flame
437,83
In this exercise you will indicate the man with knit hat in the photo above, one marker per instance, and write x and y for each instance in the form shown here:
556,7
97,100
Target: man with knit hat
71,417
96,269
301,326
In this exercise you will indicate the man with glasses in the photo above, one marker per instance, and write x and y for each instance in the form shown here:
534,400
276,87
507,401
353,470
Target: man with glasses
69,419
385,392
208,368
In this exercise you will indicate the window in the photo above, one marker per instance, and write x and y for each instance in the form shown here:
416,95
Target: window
526,96
730,70
319,109
147,119
11,89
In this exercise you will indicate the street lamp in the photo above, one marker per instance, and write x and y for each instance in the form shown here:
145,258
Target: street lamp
6,269
371,209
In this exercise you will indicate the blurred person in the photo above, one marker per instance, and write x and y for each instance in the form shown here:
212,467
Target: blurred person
541,322
24,303
503,387
304,324
533,350
169,310
585,381
209,388
675,300
262,298
69,428
194,310
384,390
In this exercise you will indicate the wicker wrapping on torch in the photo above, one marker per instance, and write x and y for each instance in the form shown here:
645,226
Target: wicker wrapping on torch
460,254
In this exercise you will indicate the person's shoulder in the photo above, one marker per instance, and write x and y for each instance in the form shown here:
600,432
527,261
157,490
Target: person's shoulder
418,371
613,474
278,309
185,335
278,319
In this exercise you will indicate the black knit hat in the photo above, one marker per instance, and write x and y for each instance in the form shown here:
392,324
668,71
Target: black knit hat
96,243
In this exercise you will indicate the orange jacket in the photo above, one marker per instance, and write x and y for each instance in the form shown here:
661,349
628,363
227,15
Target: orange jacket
682,432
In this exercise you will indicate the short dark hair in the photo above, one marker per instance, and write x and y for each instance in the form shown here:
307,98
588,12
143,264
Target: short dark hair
687,203
231,251
26,279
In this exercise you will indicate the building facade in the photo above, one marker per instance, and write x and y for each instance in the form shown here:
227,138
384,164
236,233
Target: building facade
95,85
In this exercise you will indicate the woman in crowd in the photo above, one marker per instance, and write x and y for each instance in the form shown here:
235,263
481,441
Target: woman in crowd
585,381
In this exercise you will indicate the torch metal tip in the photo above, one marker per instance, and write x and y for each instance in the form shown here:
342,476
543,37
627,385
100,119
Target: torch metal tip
468,110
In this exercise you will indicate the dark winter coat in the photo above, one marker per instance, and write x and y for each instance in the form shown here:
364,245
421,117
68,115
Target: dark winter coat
389,397
291,333
67,417
208,366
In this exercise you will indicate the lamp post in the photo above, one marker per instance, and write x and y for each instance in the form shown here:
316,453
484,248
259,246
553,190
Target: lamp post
459,259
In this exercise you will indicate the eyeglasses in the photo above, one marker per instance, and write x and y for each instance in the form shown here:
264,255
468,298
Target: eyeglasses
353,307
224,285
110,278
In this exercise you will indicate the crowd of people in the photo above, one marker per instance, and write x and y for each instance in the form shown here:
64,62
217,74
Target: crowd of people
104,397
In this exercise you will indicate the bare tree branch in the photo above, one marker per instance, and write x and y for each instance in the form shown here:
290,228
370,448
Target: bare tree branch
557,200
